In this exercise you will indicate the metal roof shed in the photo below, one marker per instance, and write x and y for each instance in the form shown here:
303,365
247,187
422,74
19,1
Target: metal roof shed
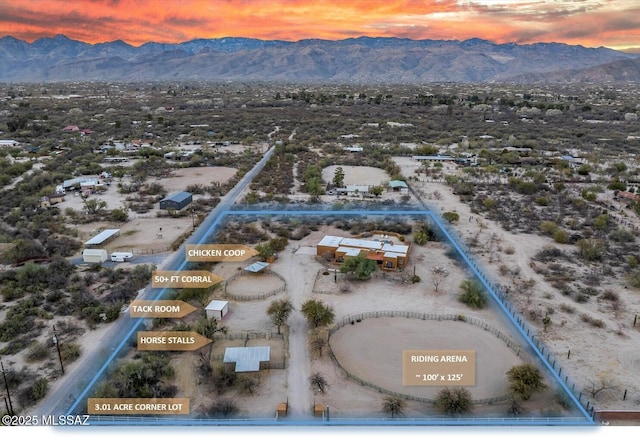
256,267
398,184
247,358
103,237
176,200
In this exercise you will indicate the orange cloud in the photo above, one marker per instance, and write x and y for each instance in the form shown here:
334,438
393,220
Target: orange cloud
587,22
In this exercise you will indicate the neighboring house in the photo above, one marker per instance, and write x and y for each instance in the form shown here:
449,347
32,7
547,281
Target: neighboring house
626,195
432,158
9,143
384,252
75,183
354,190
52,199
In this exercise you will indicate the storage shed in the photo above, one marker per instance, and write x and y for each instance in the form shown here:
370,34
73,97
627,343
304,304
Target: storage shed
94,255
399,185
102,238
176,200
217,309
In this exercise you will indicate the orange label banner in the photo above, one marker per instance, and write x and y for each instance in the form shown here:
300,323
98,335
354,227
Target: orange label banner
137,406
184,279
160,309
219,252
171,341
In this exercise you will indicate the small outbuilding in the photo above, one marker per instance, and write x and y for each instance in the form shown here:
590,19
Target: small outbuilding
399,185
94,256
257,267
176,201
217,309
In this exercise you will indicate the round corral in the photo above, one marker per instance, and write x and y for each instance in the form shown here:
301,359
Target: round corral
371,350
252,287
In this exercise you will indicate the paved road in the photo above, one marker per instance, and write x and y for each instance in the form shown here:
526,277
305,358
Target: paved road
68,393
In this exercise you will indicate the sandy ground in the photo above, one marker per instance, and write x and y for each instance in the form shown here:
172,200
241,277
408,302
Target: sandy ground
596,355
369,349
147,233
607,357
357,175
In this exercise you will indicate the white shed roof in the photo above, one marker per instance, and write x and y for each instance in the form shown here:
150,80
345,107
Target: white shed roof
87,252
216,305
256,267
103,236
247,358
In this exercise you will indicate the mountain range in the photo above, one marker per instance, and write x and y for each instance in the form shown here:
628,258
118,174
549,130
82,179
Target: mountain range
354,60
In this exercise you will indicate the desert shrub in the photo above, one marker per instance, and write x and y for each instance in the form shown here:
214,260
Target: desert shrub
622,235
610,295
451,216
567,308
599,323
542,201
69,352
561,236
39,389
472,294
581,298
223,408
455,401
525,380
548,254
590,249
37,351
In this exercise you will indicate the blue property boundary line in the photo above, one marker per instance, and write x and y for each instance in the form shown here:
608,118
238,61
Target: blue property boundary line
544,421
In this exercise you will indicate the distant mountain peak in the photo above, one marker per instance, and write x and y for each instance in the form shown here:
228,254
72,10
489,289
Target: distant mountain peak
362,59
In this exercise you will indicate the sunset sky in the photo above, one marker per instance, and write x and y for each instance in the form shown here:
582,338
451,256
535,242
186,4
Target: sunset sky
592,23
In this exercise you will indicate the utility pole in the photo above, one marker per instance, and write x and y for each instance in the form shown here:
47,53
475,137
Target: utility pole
55,341
6,385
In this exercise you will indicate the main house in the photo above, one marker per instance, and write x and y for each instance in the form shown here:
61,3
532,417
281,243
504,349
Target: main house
383,250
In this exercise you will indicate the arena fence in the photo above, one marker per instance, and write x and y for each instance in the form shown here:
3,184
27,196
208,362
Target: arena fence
352,319
258,297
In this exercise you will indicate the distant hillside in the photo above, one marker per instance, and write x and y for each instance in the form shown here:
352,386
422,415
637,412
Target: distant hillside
364,59
617,72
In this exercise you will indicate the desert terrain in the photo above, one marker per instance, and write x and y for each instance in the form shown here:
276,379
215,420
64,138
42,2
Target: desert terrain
148,233
604,357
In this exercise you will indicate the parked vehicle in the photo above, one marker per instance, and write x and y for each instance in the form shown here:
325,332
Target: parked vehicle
121,257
